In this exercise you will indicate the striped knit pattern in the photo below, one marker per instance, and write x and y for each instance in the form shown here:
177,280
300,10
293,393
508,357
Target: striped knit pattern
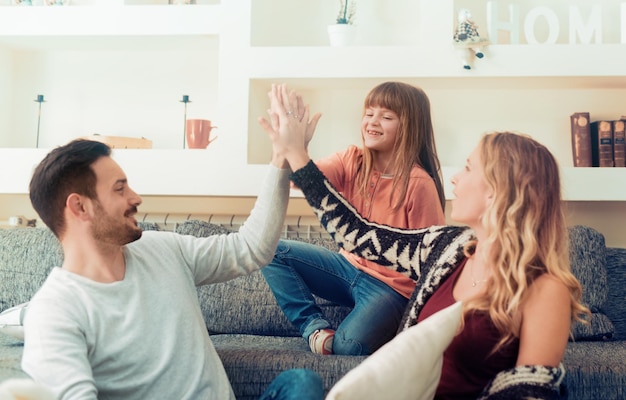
432,252
527,382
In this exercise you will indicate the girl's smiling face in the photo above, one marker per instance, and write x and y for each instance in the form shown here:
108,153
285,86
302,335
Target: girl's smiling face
379,128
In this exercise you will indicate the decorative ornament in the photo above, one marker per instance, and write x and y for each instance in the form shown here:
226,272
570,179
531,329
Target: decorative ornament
39,100
467,40
185,100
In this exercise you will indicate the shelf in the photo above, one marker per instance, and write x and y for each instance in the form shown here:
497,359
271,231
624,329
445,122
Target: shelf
593,184
430,62
190,172
209,172
16,23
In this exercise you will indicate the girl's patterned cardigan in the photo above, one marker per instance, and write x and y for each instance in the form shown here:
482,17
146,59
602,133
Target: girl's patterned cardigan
428,256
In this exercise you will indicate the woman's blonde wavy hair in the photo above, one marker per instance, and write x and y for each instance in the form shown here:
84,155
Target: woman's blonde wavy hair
525,226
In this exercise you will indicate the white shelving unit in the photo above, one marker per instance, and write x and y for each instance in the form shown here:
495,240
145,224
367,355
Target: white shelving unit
132,20
527,88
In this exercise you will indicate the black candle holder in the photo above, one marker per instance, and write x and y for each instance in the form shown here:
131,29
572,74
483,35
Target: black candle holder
185,100
39,100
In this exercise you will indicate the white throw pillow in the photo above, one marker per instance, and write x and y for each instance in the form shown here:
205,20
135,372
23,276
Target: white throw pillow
12,321
408,367
23,389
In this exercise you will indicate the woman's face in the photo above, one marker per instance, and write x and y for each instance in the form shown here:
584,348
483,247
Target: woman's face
471,192
379,128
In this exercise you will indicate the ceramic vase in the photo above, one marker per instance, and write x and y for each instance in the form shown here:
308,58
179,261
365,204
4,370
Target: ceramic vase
341,35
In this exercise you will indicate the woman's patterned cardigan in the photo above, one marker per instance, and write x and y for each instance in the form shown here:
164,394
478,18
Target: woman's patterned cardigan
428,256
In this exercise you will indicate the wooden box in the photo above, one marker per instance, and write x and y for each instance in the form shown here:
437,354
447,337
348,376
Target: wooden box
122,142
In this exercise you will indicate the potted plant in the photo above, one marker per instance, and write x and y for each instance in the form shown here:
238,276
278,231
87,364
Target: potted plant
343,32
347,10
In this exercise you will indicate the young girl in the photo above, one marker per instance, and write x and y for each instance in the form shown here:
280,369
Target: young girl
509,264
394,179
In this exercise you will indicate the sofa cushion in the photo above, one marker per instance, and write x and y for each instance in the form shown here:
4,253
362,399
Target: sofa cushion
588,259
595,370
615,307
199,228
148,226
26,257
222,306
252,362
222,303
10,357
12,321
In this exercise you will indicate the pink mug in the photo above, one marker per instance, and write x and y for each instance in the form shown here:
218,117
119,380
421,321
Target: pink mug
198,132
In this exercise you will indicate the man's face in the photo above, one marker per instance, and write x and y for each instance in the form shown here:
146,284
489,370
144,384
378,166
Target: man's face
115,205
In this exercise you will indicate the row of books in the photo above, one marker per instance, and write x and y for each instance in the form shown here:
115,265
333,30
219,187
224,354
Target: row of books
599,143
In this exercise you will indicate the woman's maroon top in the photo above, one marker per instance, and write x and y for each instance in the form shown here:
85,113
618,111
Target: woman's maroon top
468,364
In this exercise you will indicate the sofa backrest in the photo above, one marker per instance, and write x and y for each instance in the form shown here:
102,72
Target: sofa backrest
27,255
587,253
246,304
615,306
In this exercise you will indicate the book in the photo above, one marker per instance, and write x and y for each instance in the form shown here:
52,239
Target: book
602,144
581,139
619,143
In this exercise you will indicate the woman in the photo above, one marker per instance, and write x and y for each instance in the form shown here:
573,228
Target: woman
394,179
509,264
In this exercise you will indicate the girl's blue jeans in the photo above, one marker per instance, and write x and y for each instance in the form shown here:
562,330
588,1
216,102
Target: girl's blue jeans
295,384
300,270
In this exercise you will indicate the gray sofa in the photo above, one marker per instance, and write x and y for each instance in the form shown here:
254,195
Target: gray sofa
256,342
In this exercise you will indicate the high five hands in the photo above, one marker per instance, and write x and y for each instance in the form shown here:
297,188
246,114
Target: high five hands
289,127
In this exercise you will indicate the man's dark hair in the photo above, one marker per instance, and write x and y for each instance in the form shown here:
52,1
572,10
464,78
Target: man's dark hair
65,170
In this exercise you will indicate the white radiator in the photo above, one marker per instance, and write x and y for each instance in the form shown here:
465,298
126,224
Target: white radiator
305,227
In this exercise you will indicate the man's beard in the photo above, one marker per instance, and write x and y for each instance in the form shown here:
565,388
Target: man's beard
110,230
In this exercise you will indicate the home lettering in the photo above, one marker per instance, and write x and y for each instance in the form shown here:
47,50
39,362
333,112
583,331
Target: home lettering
543,24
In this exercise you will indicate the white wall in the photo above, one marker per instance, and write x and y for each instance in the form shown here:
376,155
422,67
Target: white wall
304,22
6,84
119,92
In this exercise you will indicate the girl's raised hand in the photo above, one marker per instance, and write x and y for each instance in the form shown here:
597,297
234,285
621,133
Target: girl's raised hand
289,127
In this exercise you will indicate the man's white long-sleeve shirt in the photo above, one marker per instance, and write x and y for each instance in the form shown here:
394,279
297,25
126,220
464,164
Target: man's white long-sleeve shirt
144,337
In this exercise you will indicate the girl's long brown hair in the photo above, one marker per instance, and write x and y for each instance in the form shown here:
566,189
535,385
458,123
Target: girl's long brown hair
415,143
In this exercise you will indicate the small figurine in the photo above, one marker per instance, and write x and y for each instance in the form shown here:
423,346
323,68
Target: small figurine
467,39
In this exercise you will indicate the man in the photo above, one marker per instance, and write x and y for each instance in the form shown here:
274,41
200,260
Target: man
120,319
